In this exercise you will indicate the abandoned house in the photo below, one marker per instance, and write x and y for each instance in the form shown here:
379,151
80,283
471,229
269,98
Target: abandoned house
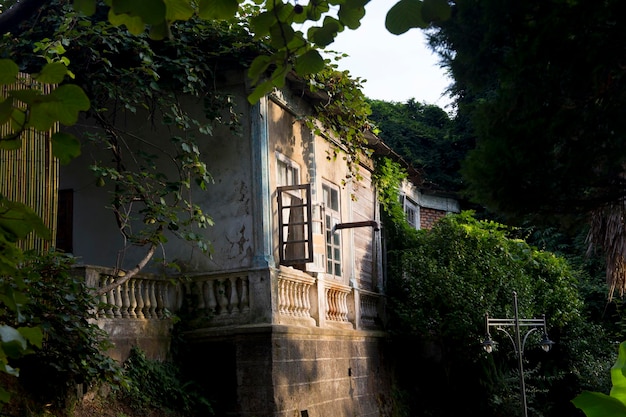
285,317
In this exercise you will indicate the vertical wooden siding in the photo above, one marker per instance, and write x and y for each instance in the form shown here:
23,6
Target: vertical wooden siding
30,175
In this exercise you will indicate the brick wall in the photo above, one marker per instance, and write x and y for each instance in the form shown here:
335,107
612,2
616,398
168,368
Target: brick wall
429,216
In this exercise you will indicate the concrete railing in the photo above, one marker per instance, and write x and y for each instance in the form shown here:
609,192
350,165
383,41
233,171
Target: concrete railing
223,297
294,295
336,297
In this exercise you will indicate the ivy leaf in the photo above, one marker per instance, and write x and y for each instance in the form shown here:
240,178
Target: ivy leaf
87,7
5,396
309,63
34,335
617,375
65,146
405,15
8,71
52,73
436,10
217,9
160,31
6,110
351,12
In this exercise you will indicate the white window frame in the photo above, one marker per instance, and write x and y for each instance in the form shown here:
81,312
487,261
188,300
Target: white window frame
332,217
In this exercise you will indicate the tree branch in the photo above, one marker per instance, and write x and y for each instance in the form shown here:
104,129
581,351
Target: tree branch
11,19
129,274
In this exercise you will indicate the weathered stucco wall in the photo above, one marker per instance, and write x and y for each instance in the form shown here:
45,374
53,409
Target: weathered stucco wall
96,239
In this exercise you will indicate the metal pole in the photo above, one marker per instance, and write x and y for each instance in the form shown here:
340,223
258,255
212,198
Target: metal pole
520,359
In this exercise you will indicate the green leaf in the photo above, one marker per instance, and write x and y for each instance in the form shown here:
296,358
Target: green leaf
325,35
34,335
8,71
261,24
617,375
87,7
259,65
11,144
405,15
351,13
9,334
178,10
436,10
17,220
52,73
260,90
597,404
309,63
134,24
5,396
217,9
65,146
281,34
62,105
160,31
151,12
6,110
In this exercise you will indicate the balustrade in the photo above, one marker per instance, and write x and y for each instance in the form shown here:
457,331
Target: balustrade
221,295
337,304
293,295
369,309
139,297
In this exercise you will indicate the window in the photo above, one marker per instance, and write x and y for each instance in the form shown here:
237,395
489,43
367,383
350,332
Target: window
411,212
288,172
333,237
294,215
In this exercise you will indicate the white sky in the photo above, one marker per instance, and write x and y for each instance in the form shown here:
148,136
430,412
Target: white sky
396,68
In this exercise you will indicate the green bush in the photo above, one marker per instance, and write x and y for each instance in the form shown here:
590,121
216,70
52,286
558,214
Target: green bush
161,385
61,305
440,288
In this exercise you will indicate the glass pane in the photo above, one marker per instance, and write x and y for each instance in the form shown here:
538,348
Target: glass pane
329,267
336,239
338,269
334,200
337,254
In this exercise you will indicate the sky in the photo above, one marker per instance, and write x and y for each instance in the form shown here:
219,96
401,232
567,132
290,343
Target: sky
396,68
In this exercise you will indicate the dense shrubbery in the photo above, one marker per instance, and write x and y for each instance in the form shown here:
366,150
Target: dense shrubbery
440,288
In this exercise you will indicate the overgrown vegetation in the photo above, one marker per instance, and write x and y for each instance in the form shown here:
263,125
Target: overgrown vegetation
73,351
441,284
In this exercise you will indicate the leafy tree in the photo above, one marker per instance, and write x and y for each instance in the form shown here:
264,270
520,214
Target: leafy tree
441,287
425,136
544,88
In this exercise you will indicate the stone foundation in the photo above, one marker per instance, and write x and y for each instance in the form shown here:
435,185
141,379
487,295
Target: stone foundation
289,371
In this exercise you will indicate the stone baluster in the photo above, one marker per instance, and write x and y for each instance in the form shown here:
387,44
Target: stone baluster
132,310
146,298
344,306
210,296
103,297
282,295
234,296
244,303
222,300
299,302
125,300
200,304
110,299
153,300
117,302
140,300
159,290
